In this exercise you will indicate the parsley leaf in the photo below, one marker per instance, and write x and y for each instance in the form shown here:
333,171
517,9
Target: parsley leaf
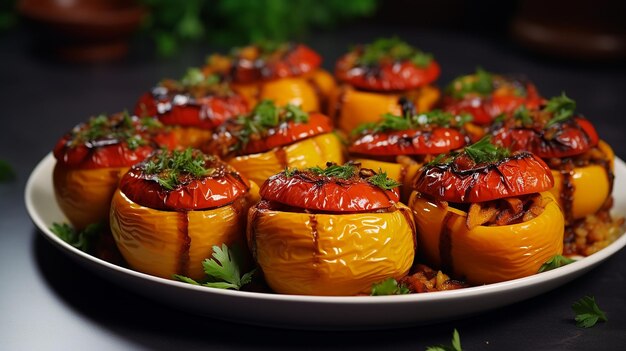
522,115
6,171
389,287
393,49
456,344
83,240
390,122
555,262
345,171
264,116
587,312
382,181
484,151
223,269
480,83
169,167
562,108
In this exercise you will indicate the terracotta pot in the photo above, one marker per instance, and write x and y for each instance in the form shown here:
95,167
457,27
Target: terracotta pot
83,30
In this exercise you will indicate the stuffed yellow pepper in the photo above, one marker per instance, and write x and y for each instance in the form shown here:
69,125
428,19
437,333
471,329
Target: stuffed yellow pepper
375,76
91,158
581,163
273,137
486,216
192,107
172,208
288,73
330,231
400,145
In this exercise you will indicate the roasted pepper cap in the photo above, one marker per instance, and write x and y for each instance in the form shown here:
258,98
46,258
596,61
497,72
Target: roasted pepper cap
346,188
483,172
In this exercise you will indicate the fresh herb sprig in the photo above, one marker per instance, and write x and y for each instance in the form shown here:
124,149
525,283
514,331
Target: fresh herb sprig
455,346
392,49
382,181
389,286
390,122
350,170
84,240
195,77
555,262
480,83
169,168
588,313
345,171
223,270
484,151
265,115
562,108
120,127
522,115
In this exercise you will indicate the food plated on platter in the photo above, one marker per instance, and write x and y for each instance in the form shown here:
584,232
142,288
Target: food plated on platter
272,195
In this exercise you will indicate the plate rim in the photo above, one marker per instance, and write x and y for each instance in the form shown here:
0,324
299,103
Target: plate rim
580,266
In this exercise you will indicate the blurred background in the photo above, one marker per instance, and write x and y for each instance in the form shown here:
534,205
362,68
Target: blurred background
97,30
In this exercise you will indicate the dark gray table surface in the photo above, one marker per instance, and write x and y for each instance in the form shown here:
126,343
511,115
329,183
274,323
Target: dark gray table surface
49,302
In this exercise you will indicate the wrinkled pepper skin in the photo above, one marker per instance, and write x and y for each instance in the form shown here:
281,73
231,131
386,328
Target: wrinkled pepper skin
351,107
486,254
330,254
163,243
86,175
84,195
315,151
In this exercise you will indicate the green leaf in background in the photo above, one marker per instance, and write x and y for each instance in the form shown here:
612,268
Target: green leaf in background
240,22
6,172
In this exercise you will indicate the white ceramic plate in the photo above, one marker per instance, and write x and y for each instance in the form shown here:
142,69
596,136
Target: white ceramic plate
314,312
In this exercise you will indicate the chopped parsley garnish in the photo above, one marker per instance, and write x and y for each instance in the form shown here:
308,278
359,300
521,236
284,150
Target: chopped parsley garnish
587,312
562,108
522,115
382,181
265,115
84,240
555,262
390,122
480,83
345,171
171,168
456,344
195,77
392,49
484,151
350,170
223,270
121,127
6,171
389,287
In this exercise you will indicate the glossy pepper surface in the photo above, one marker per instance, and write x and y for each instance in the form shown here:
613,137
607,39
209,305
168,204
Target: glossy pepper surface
163,229
459,199
487,254
581,163
272,137
486,95
315,233
193,106
283,72
91,158
376,76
